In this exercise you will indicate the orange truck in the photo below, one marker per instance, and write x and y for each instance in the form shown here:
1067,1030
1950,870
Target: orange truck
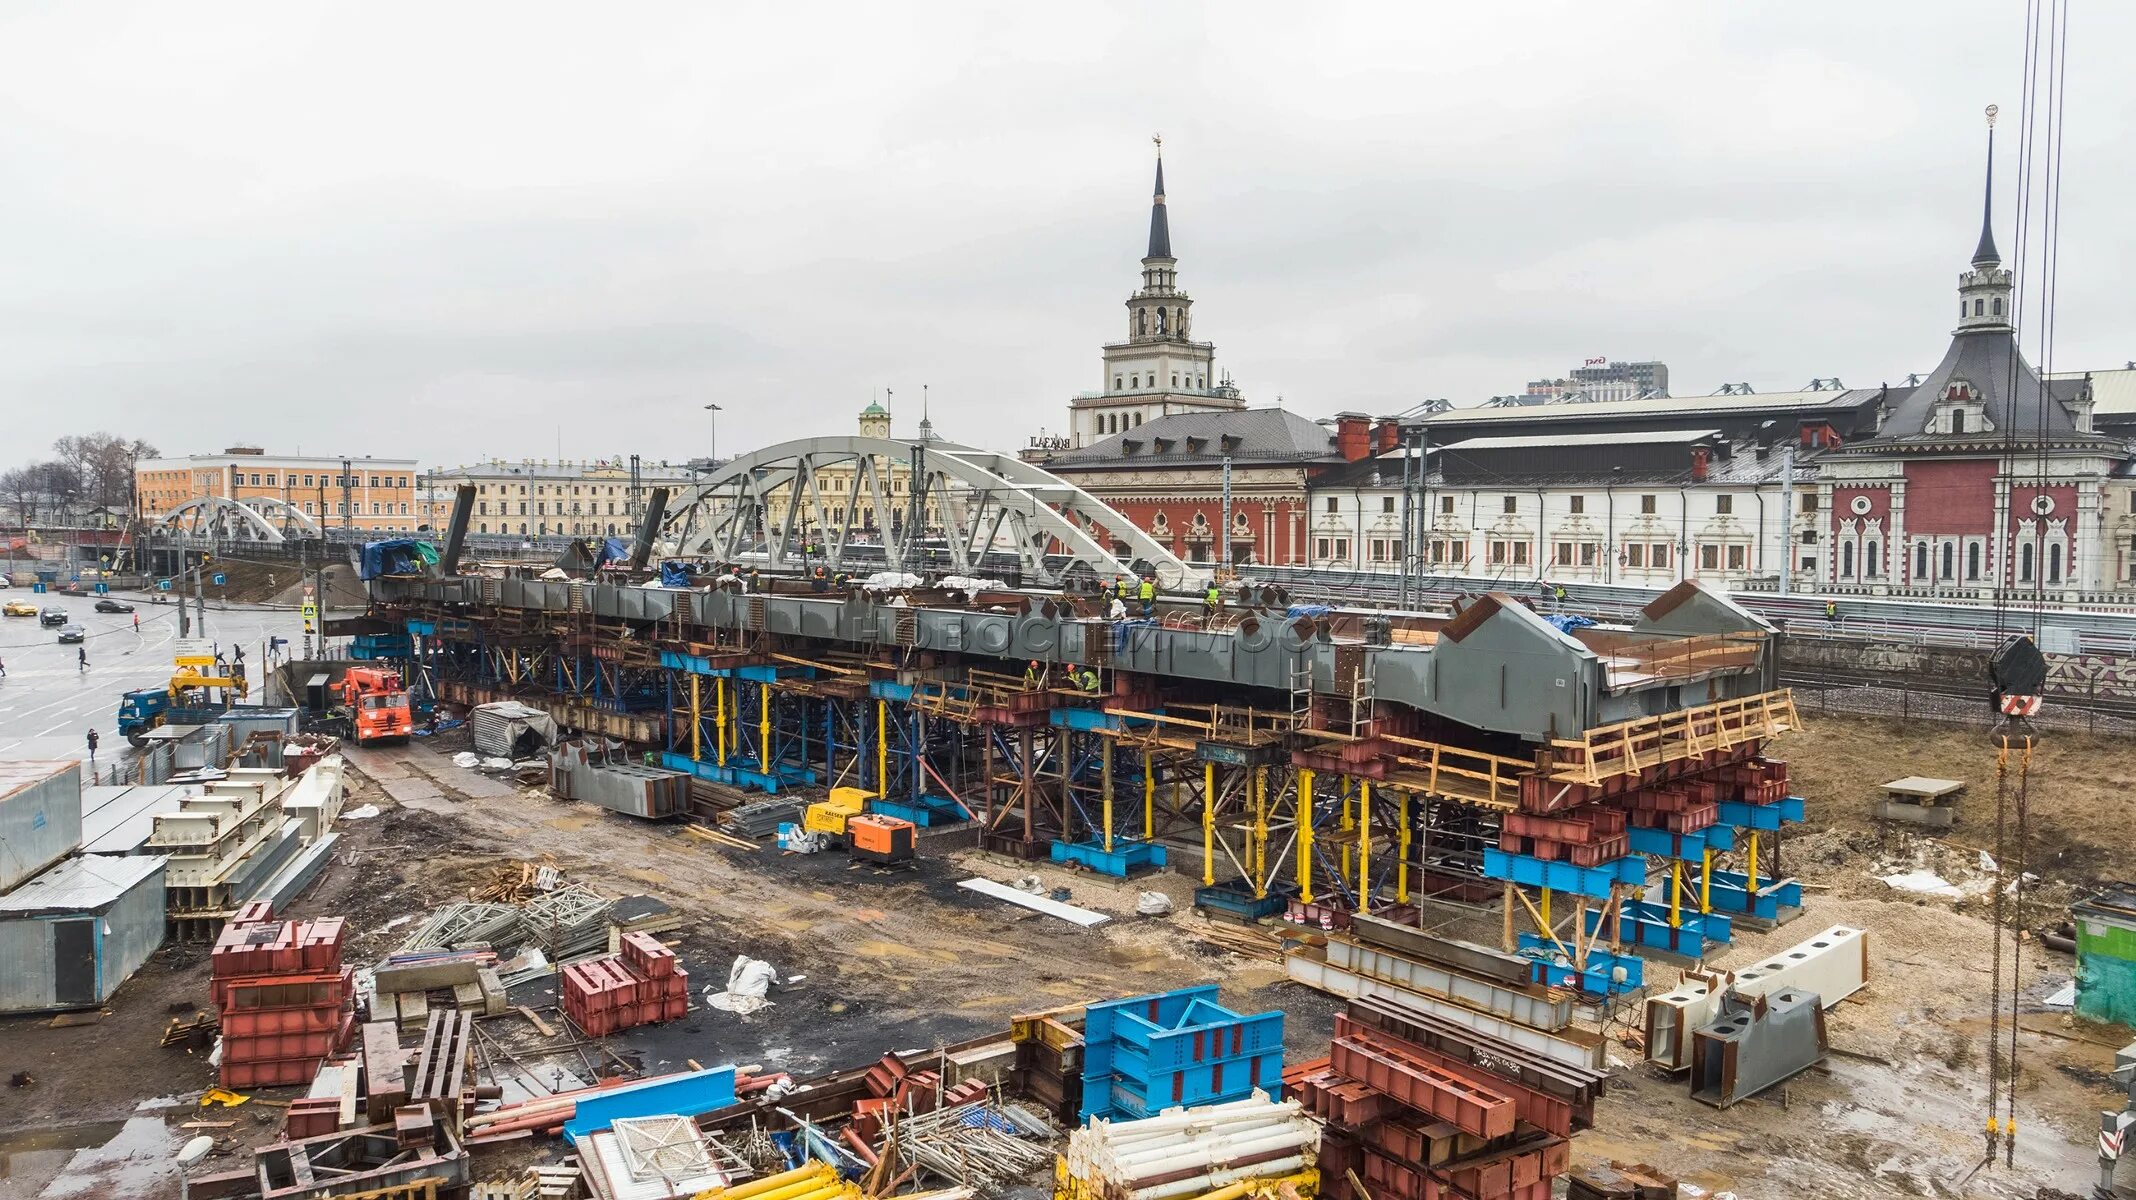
377,704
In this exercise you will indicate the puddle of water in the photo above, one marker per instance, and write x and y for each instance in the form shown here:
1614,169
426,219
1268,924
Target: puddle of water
60,1137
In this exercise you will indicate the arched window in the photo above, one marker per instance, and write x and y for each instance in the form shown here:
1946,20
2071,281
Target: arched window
2054,563
1980,308
1872,559
1950,559
2024,563
1957,421
1920,560
1998,306
1142,320
1846,561
1972,561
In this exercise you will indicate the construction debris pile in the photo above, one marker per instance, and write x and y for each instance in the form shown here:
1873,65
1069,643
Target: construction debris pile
284,999
643,985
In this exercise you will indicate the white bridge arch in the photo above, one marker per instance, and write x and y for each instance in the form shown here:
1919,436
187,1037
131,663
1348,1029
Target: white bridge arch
959,511
252,519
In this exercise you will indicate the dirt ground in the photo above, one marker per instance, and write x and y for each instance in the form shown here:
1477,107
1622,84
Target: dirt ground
908,960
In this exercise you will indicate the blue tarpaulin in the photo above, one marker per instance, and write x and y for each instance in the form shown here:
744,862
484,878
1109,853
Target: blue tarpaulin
1567,622
395,556
675,574
689,1094
613,550
1307,610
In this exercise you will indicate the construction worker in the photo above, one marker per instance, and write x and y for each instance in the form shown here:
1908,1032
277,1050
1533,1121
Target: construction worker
1033,675
756,581
1148,592
1832,611
1087,680
1212,602
820,581
1120,587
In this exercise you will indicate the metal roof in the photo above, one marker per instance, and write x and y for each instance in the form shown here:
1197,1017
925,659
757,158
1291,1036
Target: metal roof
1659,406
82,884
1258,435
2112,391
24,774
1628,437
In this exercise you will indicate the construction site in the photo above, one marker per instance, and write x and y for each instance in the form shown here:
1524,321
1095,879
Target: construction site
732,863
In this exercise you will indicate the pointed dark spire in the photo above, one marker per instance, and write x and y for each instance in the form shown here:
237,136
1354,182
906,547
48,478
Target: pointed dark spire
1985,255
1160,229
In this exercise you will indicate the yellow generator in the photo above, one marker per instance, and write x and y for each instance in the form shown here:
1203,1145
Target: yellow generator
829,816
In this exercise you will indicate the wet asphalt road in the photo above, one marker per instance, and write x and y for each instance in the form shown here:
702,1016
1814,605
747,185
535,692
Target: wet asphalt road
48,703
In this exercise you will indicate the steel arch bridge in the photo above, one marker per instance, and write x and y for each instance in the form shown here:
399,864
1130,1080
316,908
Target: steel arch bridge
902,504
252,519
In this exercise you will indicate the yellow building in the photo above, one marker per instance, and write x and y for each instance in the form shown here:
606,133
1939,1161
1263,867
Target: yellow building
377,494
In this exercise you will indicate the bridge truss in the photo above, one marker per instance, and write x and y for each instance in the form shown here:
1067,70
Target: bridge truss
869,504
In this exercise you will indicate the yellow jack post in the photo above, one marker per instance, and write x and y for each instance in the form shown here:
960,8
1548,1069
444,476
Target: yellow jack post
1401,848
882,748
1107,783
1751,882
1149,799
1705,883
1305,836
1364,846
1549,926
1208,824
719,719
1676,893
1257,854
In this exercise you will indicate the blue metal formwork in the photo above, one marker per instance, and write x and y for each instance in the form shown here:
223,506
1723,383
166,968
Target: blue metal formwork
928,811
1690,847
1235,898
1596,979
1127,856
1730,893
1766,818
1147,1053
1592,882
1645,923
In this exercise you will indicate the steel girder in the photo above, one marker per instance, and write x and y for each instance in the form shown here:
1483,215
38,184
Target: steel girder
976,502
288,515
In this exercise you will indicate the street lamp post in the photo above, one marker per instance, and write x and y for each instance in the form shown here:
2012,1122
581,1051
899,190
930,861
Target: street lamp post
713,451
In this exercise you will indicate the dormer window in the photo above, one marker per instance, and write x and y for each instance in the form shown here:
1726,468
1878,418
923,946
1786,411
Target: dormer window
1959,411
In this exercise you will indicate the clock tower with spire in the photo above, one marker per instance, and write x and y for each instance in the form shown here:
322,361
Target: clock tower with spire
1159,370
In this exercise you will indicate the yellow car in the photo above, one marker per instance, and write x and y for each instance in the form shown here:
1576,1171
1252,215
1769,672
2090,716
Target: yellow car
19,608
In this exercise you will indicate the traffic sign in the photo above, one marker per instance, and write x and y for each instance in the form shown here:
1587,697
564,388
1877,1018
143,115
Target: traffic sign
216,579
102,588
311,611
194,652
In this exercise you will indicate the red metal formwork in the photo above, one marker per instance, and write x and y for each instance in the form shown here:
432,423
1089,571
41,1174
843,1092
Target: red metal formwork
648,956
1442,1094
1552,1114
1507,1171
268,1072
302,990
244,1023
251,912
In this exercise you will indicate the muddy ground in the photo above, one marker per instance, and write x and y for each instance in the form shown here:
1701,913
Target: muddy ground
909,960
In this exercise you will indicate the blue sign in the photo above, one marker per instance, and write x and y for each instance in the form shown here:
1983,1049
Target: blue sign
216,579
103,589
38,586
163,585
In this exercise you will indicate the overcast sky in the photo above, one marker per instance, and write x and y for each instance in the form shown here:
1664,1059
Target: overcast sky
452,230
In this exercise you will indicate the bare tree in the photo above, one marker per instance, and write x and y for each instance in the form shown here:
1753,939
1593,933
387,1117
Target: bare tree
63,486
104,463
23,491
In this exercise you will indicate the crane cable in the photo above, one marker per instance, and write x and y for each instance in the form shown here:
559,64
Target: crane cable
1995,972
2017,948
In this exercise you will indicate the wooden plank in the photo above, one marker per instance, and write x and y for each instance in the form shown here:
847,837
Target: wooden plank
536,1021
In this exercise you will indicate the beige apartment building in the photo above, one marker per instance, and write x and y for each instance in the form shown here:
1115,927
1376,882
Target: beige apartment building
545,498
377,494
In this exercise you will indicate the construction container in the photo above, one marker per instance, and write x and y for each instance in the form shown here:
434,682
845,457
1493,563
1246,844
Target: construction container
880,839
40,817
71,936
2106,957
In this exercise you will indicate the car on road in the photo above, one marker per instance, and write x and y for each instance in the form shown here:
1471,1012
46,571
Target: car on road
117,606
72,633
19,608
52,616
